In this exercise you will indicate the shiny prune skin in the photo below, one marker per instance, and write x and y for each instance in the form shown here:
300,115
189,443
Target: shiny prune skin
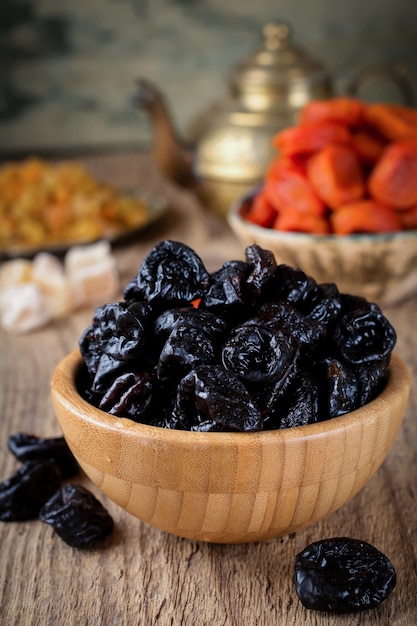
362,336
227,287
186,347
213,325
263,266
343,575
77,516
26,491
302,406
27,447
307,332
129,395
211,399
256,353
339,388
325,305
172,272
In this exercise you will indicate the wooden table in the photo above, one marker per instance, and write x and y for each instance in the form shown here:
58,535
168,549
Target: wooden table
143,576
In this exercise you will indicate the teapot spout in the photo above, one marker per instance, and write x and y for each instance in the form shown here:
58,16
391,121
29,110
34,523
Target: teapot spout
172,155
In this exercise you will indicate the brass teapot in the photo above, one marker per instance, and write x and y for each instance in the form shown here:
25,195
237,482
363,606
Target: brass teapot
230,143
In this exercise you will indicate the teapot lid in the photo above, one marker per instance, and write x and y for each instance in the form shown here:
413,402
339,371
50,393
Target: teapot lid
277,63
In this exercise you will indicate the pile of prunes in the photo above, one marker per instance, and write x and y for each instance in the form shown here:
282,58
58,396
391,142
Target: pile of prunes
253,346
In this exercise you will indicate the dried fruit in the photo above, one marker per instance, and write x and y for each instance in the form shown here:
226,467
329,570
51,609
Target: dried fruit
77,516
24,493
342,575
26,447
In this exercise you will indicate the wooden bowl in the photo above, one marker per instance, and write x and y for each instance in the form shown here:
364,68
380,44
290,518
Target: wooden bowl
229,487
380,267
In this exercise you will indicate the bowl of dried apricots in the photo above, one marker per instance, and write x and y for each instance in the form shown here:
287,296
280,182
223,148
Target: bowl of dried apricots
339,200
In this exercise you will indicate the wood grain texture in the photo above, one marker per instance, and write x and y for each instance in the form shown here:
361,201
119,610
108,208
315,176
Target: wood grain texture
143,576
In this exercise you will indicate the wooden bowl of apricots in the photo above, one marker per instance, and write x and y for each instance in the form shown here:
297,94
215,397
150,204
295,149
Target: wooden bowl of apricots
339,200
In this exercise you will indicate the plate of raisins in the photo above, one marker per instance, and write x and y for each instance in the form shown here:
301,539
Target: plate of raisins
233,405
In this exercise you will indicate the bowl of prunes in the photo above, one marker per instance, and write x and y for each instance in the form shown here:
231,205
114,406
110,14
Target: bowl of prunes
233,405
339,198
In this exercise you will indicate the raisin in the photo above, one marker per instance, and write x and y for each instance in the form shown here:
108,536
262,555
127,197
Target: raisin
211,399
24,493
343,575
26,447
77,516
172,272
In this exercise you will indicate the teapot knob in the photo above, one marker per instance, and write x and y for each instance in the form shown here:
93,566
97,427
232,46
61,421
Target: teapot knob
277,35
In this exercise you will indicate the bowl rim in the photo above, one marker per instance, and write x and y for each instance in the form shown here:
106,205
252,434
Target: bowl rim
63,392
234,215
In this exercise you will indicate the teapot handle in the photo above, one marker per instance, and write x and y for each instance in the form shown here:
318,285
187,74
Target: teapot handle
394,73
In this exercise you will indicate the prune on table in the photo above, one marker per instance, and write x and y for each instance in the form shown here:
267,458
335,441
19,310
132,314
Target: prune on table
339,388
172,272
364,335
186,347
212,399
343,575
27,447
257,353
24,493
129,395
77,516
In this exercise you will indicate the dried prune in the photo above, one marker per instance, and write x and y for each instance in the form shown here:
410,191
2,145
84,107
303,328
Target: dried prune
24,493
256,353
303,405
211,399
364,335
77,516
343,575
339,387
172,272
129,395
227,288
262,269
26,447
187,347
297,350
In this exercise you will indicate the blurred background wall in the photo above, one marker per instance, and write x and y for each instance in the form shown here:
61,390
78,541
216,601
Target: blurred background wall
68,67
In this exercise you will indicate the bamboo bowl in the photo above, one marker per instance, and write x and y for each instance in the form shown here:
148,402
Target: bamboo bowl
229,487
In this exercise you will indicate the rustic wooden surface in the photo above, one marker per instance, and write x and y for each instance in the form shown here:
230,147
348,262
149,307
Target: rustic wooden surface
142,576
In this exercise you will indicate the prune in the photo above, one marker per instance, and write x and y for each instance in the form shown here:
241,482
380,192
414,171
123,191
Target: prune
256,353
211,399
325,306
187,347
77,516
227,287
212,324
26,447
342,575
172,272
364,335
129,395
308,332
23,494
262,269
297,350
340,388
303,405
